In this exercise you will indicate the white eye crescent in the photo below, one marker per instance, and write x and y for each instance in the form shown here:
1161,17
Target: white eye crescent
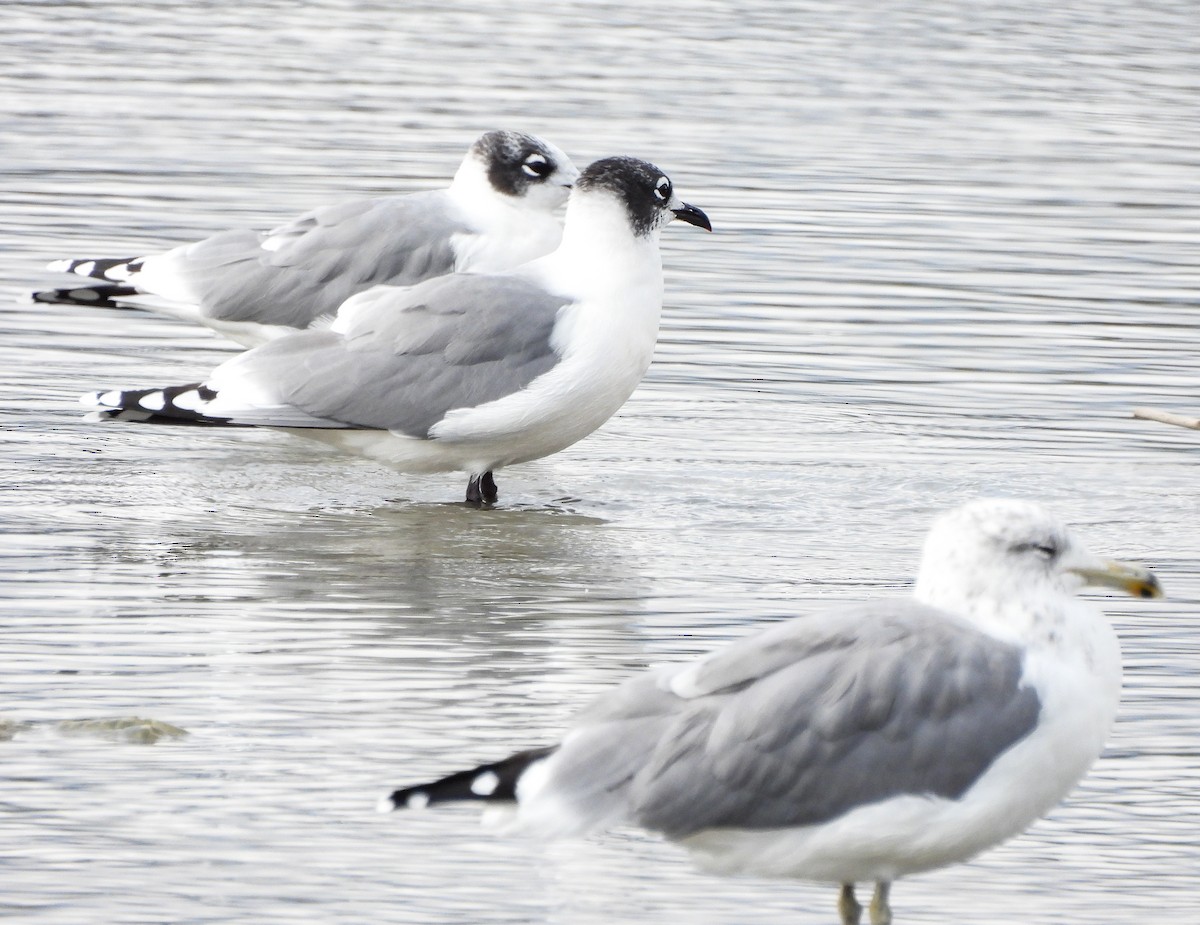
662,189
536,165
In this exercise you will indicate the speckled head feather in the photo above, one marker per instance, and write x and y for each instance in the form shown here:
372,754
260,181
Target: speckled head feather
984,555
992,549
646,191
515,161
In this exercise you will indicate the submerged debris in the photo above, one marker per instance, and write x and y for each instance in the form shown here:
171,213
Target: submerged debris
10,727
131,729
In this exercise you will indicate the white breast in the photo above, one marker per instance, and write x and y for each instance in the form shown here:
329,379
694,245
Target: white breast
606,338
506,231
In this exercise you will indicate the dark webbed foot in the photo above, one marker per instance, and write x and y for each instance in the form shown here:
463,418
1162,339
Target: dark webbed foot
481,490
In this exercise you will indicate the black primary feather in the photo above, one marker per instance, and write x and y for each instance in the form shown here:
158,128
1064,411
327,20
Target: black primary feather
496,782
157,406
100,267
101,296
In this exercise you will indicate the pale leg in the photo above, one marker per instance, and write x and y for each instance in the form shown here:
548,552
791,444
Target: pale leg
881,909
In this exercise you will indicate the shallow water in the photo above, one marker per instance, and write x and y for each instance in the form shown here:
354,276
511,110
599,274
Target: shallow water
954,247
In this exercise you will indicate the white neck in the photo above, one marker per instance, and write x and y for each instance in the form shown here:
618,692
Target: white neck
507,230
473,193
1058,620
599,252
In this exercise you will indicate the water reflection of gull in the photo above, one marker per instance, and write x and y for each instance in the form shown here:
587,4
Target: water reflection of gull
856,745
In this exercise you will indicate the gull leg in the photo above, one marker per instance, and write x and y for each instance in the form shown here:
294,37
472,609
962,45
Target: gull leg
881,909
481,489
848,906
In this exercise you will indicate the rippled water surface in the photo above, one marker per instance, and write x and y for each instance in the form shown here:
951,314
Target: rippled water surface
956,245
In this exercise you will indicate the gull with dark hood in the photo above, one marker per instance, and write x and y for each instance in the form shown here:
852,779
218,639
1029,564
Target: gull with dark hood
466,372
499,212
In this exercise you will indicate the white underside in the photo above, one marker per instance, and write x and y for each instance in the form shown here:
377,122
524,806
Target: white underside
510,231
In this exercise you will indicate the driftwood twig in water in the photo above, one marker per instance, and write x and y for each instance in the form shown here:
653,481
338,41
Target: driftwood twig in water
1167,417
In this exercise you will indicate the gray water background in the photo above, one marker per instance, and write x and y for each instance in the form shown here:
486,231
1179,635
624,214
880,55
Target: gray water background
955,245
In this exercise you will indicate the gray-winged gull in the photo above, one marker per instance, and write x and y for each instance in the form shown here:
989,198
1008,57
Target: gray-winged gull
252,286
857,744
466,372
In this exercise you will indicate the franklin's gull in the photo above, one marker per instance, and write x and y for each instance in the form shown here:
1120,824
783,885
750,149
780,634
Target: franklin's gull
465,372
252,286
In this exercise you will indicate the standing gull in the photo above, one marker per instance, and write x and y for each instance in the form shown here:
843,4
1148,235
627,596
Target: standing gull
465,372
860,744
253,286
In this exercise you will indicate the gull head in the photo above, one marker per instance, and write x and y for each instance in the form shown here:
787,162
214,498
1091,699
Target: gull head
524,168
644,192
994,550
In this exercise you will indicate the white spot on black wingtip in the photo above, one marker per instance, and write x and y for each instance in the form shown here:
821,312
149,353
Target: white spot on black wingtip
485,784
109,399
191,400
60,266
386,804
154,401
85,268
418,799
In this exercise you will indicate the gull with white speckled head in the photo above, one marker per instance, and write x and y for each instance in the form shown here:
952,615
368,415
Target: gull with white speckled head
498,213
467,372
857,744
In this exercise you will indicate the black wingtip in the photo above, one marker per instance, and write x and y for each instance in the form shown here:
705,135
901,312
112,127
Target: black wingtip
116,269
493,783
100,296
176,404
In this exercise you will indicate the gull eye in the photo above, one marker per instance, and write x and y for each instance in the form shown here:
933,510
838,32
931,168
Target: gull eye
536,165
662,189
1045,551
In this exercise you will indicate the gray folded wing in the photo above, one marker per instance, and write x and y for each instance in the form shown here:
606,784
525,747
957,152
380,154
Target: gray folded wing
844,710
401,358
305,269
